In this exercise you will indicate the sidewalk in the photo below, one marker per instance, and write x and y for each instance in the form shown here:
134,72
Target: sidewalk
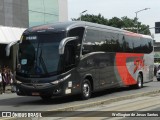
8,89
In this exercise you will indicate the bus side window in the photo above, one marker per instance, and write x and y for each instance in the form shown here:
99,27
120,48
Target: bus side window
91,42
78,32
69,55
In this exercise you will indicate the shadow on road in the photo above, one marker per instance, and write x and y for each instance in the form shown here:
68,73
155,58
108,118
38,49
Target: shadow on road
27,100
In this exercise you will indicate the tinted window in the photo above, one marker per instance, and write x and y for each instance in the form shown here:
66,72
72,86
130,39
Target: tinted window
39,54
76,32
107,41
134,44
111,42
79,32
69,55
91,41
129,44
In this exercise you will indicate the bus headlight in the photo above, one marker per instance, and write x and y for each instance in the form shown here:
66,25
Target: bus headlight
19,82
55,82
61,80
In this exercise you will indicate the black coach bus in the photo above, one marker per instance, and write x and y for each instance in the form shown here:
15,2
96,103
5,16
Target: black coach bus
80,58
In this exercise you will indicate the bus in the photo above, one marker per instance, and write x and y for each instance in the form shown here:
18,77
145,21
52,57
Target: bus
80,58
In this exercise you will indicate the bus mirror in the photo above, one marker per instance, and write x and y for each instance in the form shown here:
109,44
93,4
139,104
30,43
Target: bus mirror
64,42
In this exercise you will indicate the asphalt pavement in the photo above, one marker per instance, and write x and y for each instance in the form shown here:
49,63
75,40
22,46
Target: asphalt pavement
10,101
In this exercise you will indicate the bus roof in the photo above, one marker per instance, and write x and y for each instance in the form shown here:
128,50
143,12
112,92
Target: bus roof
65,26
69,25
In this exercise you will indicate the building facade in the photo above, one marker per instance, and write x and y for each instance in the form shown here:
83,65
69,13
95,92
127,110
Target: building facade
28,13
47,11
14,13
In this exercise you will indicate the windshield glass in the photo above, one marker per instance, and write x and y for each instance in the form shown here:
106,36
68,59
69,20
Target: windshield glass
39,54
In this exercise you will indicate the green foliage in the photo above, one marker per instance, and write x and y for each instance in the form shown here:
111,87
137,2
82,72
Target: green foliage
116,22
93,18
122,23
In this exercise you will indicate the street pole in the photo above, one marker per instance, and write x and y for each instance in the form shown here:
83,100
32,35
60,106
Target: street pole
137,15
136,21
82,13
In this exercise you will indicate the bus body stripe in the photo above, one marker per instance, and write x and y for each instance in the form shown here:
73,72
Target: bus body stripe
121,59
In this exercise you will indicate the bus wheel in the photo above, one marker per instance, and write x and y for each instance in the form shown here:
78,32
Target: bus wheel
158,79
139,81
86,89
46,97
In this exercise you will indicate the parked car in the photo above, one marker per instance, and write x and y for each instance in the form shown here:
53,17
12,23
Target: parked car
158,75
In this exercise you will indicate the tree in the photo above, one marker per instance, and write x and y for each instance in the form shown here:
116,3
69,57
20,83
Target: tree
131,25
116,22
93,18
144,29
128,22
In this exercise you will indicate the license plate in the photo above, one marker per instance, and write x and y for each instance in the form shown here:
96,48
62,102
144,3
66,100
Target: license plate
35,93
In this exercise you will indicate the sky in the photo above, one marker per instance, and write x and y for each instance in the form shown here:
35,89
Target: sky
119,8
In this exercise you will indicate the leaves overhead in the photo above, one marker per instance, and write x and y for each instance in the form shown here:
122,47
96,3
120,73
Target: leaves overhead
122,23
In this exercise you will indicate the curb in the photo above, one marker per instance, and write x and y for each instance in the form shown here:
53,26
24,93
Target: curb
107,101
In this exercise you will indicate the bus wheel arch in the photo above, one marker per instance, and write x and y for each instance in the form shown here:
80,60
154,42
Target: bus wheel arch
90,80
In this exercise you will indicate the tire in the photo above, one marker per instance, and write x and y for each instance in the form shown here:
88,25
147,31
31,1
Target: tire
86,89
139,81
158,79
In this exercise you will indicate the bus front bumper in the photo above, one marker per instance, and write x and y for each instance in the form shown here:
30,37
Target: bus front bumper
27,89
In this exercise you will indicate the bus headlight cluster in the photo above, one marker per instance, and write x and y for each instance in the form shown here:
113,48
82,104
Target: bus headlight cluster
19,82
61,80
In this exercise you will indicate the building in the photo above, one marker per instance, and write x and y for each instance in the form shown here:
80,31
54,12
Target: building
17,15
27,13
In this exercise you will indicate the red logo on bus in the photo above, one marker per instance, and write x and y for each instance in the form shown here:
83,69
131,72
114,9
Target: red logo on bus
139,63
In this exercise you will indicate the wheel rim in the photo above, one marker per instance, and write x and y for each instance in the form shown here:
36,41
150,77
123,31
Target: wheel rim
86,90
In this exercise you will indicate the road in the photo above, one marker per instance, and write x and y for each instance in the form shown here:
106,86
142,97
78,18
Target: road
12,102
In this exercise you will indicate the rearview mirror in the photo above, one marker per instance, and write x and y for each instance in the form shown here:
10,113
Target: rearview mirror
64,42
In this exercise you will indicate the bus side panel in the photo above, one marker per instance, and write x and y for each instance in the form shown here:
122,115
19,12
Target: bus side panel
86,67
105,68
149,61
101,67
110,70
128,66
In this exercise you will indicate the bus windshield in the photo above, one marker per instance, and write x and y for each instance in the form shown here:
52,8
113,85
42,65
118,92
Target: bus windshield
39,54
